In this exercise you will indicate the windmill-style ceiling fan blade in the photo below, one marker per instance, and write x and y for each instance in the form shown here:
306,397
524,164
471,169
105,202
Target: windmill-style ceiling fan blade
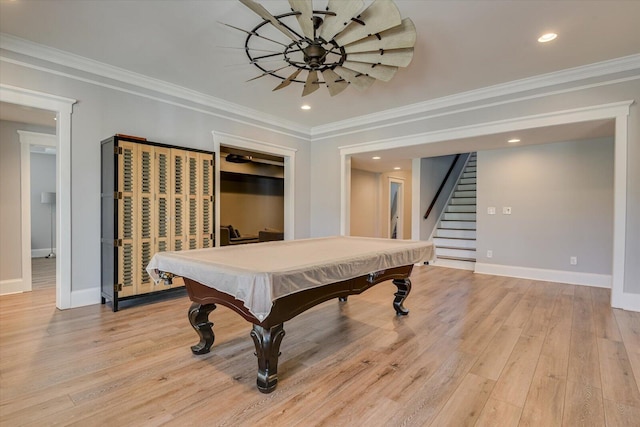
395,57
380,72
288,80
253,34
379,16
268,72
305,19
331,79
311,85
357,80
344,10
402,36
264,14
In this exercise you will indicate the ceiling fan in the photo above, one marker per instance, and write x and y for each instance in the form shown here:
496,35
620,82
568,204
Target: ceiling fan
347,44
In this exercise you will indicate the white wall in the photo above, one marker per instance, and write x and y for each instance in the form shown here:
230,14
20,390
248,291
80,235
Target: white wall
43,179
365,203
561,196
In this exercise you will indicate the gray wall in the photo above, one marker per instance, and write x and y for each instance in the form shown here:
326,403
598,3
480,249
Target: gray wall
10,201
325,170
103,111
43,179
561,197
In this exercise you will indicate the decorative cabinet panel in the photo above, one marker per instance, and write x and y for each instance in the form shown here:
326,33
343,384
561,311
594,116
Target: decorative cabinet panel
154,198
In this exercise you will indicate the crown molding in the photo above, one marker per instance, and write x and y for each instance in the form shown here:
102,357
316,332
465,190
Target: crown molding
598,69
66,59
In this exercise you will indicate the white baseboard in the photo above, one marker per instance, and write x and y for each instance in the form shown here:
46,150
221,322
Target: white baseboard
570,277
85,297
41,253
452,263
627,301
12,286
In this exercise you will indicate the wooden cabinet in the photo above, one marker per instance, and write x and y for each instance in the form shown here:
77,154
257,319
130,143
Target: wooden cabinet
155,198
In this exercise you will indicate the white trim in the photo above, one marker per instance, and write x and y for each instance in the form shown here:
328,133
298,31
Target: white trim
66,59
416,181
618,111
345,206
63,108
289,154
27,141
85,297
570,277
391,116
11,286
630,302
41,253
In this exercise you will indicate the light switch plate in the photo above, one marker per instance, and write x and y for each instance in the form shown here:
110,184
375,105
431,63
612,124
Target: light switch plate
491,210
506,210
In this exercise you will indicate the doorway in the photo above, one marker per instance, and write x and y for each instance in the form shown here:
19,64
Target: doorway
396,208
62,107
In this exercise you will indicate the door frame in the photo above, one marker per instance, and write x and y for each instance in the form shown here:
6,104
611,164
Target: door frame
63,107
289,154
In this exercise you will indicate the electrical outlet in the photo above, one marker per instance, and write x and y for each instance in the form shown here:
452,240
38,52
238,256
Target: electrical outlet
573,260
491,210
506,210
489,253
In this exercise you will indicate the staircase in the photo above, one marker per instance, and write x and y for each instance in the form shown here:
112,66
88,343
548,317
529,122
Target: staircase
455,236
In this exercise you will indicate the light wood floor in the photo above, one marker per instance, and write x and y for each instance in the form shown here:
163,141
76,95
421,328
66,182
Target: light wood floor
475,350
43,273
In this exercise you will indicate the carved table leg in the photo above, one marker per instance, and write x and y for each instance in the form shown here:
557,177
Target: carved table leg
267,342
342,299
199,319
404,287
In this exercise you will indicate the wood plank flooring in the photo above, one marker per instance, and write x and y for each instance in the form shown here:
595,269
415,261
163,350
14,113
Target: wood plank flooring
476,350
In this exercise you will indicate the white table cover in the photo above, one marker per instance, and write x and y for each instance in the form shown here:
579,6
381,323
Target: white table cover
258,274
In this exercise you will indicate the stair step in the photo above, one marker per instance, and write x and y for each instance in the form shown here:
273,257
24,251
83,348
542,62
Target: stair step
463,201
444,242
470,169
470,193
466,187
462,254
459,216
458,225
469,175
472,163
461,208
455,234
467,181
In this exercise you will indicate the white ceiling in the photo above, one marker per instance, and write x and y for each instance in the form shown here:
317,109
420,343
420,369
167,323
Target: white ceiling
462,46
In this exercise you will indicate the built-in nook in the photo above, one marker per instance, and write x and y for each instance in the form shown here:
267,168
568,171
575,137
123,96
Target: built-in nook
251,196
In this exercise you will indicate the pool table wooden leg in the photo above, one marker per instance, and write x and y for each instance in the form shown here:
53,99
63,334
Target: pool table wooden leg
267,342
199,319
404,287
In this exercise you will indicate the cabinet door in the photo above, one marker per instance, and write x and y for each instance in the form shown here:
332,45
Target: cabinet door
177,210
206,200
127,259
194,219
146,218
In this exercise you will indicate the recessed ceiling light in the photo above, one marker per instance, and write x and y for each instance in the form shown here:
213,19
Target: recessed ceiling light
306,107
397,168
376,157
547,37
513,140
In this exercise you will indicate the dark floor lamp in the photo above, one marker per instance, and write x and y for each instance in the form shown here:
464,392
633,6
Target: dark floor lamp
49,199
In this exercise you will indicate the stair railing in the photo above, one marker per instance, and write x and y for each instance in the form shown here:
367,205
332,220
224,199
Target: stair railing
444,181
